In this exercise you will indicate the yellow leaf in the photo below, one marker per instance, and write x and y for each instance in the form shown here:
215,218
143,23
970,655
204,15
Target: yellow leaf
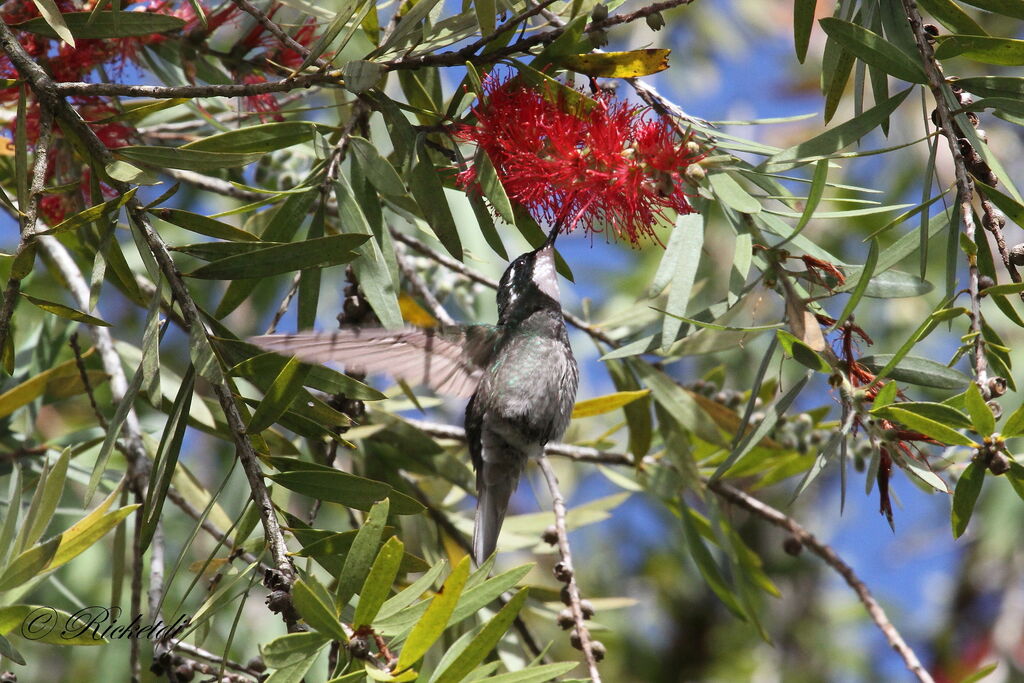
606,404
629,64
413,313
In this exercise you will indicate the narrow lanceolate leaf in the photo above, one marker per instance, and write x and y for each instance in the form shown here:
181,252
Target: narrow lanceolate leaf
280,395
925,425
56,628
103,25
732,194
55,20
113,429
950,15
52,488
428,191
984,49
837,138
379,580
344,13
371,268
62,548
483,642
862,283
939,412
379,171
606,404
283,258
434,621
486,16
316,612
982,419
683,252
873,49
916,370
1014,425
965,495
91,214
166,460
336,486
64,311
631,64
263,138
186,159
361,553
803,22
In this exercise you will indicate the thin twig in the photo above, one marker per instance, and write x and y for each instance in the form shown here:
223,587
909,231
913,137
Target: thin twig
174,91
28,223
567,574
420,287
826,553
200,653
86,384
266,22
964,184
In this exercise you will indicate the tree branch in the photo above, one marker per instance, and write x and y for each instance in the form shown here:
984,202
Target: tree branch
173,91
964,184
564,572
826,553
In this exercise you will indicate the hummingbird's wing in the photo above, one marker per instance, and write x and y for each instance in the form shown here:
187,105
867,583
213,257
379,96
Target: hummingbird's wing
448,359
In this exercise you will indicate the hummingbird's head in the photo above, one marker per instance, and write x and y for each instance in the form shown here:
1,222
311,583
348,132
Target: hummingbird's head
530,281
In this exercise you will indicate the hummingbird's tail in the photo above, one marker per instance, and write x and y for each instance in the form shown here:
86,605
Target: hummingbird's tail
495,482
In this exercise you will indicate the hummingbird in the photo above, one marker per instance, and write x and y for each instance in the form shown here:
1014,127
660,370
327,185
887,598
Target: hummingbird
520,376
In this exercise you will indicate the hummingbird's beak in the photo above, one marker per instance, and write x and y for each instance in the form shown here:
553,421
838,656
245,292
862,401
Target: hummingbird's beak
550,241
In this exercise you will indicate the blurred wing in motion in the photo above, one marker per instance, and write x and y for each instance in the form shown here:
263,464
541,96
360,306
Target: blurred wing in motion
449,359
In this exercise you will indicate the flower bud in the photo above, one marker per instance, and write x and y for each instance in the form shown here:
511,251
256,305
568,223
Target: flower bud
655,21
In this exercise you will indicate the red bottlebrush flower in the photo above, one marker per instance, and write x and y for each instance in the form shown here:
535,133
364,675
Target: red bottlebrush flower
607,166
264,105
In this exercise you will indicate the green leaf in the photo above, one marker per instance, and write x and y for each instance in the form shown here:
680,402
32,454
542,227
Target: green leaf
1014,425
293,649
706,563
483,642
371,269
835,139
873,49
984,49
425,185
1009,8
490,185
187,159
802,353
344,13
321,252
64,311
435,619
939,412
950,15
924,425
679,266
55,20
1016,477
263,138
982,419
379,171
965,495
335,486
93,213
379,580
803,22
863,283
534,674
166,459
361,554
51,486
45,624
316,612
104,25
916,370
485,16
361,75
732,194
114,425
398,603
607,403
993,86
279,397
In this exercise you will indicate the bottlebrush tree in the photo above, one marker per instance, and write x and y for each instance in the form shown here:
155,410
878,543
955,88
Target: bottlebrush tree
768,319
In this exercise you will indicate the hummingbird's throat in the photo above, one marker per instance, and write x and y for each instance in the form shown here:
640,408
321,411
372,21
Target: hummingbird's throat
544,275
